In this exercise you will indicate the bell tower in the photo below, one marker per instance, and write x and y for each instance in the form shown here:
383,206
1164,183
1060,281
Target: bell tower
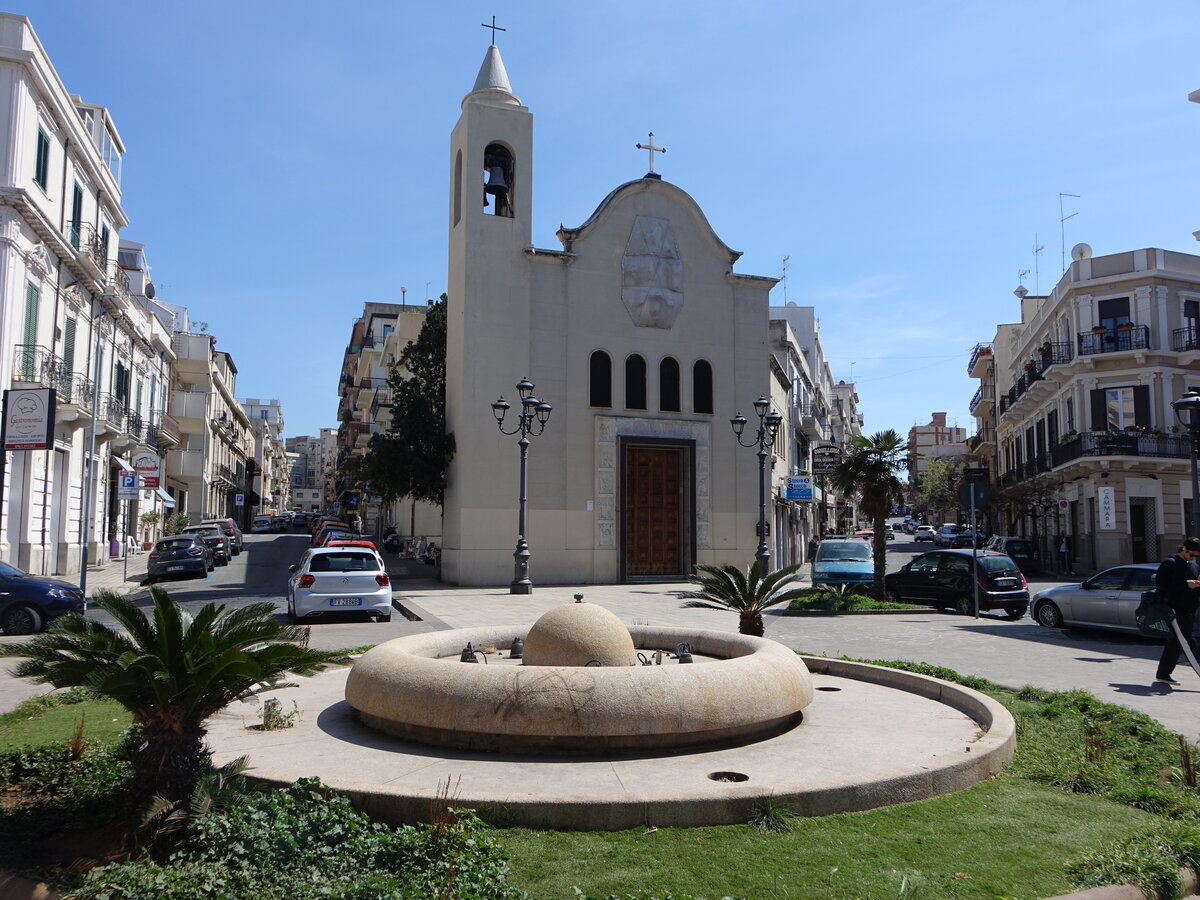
488,314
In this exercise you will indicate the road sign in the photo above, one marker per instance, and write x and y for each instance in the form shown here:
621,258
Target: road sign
978,491
239,499
977,474
127,487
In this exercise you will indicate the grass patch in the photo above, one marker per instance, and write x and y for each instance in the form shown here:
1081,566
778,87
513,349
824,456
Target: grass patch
841,598
1004,838
54,718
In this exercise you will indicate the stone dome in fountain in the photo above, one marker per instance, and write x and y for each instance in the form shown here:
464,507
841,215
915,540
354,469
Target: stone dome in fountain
579,634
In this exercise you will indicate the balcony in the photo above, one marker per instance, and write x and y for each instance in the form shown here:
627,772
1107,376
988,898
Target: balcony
1136,337
162,432
187,465
1121,443
984,396
1185,339
1046,356
36,365
981,352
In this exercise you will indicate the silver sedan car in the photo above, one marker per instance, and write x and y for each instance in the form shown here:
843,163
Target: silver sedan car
1106,600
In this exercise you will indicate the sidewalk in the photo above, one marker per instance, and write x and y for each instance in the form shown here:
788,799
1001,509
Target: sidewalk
112,575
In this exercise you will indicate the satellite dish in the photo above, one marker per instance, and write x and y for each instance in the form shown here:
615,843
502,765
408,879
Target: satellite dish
1081,251
1022,292
791,303
150,291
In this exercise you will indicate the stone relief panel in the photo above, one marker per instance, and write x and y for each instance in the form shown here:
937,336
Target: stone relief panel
652,274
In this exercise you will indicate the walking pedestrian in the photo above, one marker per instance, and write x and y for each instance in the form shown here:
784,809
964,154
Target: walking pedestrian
1064,555
812,547
1177,581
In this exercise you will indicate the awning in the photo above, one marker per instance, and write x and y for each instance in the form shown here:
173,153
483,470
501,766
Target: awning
166,498
123,463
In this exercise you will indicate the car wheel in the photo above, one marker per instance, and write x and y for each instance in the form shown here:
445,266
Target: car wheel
21,619
964,606
1014,612
1046,613
892,596
386,618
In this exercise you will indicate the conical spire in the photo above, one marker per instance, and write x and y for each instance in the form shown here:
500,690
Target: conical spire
493,78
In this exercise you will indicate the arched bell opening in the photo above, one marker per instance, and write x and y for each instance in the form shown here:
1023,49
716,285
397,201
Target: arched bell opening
497,180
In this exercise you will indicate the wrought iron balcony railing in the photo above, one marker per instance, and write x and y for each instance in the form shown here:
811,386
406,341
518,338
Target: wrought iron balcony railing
1185,339
1114,340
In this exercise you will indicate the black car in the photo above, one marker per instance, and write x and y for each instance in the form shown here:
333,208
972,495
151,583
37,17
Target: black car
29,602
943,578
216,541
180,554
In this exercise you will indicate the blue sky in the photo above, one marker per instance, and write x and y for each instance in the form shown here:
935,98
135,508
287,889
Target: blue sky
288,161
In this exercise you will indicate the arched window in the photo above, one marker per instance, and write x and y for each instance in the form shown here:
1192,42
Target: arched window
497,181
702,387
668,385
635,382
600,380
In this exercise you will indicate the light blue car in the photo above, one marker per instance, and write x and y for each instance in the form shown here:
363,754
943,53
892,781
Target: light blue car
843,562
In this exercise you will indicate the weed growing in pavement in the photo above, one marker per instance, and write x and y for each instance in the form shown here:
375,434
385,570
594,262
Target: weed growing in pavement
274,718
770,817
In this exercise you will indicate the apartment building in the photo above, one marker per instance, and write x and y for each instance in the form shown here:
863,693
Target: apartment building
304,472
271,490
76,325
1077,396
933,441
211,462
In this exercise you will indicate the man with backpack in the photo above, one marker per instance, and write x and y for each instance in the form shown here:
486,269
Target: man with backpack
1177,581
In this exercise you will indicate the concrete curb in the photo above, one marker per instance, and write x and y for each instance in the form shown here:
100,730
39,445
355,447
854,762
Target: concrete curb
1129,891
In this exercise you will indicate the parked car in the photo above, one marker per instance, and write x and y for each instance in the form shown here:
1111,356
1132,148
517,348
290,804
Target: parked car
945,579
1106,600
888,533
179,554
328,528
842,561
217,542
965,538
338,580
300,520
28,603
261,524
923,533
351,542
1022,551
944,536
230,529
865,534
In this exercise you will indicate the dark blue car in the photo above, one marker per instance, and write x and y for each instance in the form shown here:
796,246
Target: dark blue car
29,602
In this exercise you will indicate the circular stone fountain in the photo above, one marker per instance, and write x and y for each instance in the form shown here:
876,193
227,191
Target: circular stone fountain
580,688
581,735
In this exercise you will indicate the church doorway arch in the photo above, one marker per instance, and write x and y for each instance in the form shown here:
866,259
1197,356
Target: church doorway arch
657,502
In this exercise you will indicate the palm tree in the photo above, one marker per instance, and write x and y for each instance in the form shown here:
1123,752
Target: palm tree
728,587
172,671
870,472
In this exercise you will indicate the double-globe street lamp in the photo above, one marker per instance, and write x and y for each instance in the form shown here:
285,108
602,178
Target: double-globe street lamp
1187,411
764,437
531,421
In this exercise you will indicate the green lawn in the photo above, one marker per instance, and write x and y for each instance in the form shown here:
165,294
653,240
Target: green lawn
53,718
1004,838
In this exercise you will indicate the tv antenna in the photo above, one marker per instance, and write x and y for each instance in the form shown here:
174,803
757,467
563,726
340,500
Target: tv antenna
783,279
1062,225
1021,274
1037,255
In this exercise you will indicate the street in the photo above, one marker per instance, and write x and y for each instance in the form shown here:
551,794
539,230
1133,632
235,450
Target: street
1116,668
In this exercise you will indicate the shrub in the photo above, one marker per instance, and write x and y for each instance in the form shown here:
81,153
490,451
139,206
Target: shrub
307,842
1151,860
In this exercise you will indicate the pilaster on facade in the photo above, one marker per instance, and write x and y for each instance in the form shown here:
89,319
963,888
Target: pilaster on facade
1084,387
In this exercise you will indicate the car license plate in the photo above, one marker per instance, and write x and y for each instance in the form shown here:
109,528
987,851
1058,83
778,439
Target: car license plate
346,601
175,568
1006,582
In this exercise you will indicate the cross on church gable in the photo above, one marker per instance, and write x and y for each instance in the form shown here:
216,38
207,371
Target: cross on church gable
651,150
496,28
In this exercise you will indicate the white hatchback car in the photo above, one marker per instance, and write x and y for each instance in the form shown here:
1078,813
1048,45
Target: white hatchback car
339,580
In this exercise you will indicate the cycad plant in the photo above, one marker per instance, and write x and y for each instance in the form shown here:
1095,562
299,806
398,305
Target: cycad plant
746,593
172,670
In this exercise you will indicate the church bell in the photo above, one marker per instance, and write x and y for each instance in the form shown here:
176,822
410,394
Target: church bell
495,183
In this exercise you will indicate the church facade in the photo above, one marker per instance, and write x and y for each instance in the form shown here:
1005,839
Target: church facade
639,335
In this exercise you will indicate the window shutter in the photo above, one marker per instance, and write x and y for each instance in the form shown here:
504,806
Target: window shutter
1099,410
1141,405
32,295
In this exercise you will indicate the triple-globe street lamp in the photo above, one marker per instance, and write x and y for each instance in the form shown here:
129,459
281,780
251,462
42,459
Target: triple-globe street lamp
1187,411
764,437
531,421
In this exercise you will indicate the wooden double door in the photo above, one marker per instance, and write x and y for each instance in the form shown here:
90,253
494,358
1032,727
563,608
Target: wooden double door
657,503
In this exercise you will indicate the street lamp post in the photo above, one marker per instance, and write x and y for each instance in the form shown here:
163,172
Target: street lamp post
1187,411
764,437
531,421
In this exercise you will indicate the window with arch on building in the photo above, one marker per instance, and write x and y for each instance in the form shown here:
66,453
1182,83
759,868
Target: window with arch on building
668,385
635,382
600,379
702,387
